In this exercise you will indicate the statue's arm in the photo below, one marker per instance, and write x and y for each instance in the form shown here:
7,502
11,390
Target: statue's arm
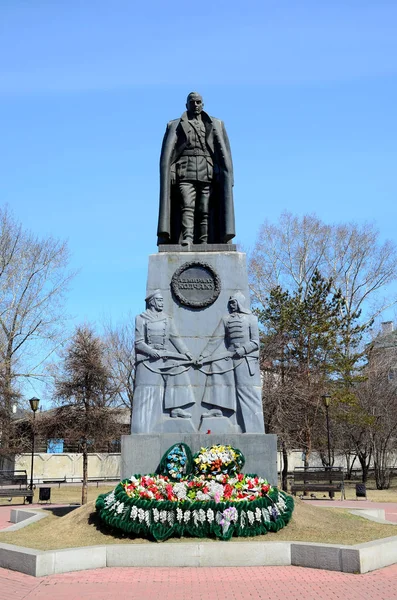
141,347
177,341
216,340
253,344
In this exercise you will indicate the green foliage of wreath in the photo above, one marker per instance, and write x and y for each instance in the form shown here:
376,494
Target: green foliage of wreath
204,519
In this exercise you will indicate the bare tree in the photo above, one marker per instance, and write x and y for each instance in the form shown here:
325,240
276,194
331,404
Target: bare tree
33,281
84,394
120,351
378,401
351,256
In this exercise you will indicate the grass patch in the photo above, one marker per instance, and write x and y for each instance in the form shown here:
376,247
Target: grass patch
309,524
66,494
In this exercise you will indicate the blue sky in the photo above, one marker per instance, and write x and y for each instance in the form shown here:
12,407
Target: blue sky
307,90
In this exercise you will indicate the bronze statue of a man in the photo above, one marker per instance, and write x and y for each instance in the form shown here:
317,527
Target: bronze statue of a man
196,180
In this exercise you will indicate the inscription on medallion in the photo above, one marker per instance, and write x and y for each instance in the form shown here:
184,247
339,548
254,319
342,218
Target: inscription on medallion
196,284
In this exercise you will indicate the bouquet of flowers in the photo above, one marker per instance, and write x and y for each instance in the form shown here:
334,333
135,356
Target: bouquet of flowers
217,460
176,462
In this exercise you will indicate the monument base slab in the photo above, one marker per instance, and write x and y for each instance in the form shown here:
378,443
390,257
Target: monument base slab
141,453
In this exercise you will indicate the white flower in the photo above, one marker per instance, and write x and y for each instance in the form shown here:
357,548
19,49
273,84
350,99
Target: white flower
242,519
210,515
251,517
214,489
170,517
180,490
114,506
195,517
147,517
186,516
163,516
266,515
156,515
120,508
201,515
141,515
134,513
258,514
179,515
109,499
201,496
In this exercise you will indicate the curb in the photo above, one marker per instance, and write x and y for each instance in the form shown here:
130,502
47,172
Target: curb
360,558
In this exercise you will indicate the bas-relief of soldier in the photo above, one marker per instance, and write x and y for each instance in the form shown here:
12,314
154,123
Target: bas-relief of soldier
196,180
161,385
233,382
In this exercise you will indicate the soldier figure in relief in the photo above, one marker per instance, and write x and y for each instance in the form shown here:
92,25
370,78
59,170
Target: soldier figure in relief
234,380
159,385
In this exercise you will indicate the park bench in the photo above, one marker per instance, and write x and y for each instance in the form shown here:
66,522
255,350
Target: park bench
56,480
313,479
14,483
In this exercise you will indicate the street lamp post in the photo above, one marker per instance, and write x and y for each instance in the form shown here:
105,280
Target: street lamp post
34,405
326,400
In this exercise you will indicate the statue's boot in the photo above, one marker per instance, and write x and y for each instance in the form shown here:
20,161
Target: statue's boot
214,412
187,226
203,229
179,412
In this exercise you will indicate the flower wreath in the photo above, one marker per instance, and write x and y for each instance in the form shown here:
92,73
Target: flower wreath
214,503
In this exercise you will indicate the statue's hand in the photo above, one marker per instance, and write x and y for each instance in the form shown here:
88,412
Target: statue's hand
154,353
199,361
239,353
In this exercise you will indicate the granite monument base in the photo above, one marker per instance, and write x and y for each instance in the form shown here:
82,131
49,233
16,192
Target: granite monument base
196,327
141,453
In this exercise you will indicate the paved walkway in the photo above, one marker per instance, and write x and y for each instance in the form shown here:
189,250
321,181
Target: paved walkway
390,508
243,583
5,511
202,584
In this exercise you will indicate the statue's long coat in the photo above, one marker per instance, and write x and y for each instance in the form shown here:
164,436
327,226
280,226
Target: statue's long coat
221,218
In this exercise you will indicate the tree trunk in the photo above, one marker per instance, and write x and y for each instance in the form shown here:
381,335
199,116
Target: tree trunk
364,463
85,473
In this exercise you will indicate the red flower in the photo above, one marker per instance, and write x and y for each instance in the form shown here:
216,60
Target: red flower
228,491
265,488
240,476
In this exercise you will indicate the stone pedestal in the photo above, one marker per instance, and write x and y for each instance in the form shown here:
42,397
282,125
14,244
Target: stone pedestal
223,271
141,453
196,326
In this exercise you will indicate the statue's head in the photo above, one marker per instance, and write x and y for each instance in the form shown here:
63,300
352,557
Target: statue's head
155,301
237,303
194,103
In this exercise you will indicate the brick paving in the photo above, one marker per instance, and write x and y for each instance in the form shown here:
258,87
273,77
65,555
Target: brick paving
202,584
206,583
